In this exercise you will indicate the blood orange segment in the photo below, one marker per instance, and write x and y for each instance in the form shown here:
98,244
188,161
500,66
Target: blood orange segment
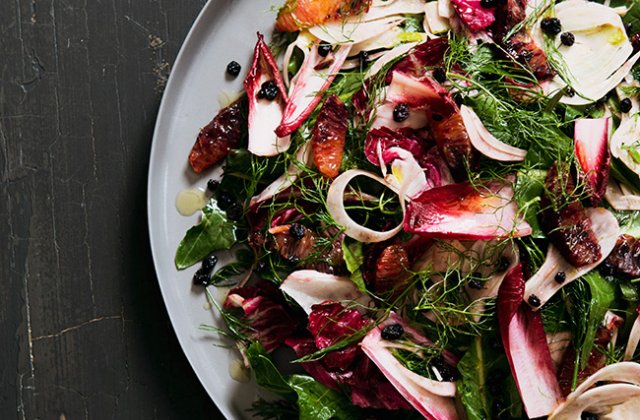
301,14
329,136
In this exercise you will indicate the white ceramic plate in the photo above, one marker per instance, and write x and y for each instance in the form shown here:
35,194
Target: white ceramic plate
224,31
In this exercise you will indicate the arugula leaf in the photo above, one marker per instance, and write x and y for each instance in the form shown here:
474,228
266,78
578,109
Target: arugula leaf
265,372
472,388
602,297
317,402
354,258
213,233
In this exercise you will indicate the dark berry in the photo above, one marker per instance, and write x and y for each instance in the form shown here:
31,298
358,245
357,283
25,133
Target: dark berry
635,42
364,58
475,284
567,38
224,200
234,212
401,112
440,75
293,260
437,117
261,265
447,372
570,92
201,278
588,416
212,185
233,68
560,277
551,26
392,332
209,262
297,231
625,105
503,264
268,91
324,49
487,3
534,301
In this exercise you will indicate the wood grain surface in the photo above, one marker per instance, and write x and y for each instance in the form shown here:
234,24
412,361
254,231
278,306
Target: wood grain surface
84,331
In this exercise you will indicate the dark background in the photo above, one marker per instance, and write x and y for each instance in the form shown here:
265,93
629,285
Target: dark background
83,328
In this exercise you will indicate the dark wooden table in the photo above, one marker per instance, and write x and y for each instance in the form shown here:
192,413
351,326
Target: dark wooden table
84,331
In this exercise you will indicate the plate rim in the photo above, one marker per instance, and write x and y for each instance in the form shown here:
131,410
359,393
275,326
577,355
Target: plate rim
179,62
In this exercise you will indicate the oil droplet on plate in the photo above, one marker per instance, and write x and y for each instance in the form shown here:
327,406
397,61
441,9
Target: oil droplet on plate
190,201
238,372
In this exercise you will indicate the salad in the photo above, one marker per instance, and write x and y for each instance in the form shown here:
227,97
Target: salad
434,210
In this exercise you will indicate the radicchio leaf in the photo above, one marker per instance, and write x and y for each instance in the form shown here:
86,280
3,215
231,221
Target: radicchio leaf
475,16
591,138
381,139
269,320
265,114
311,82
331,323
369,388
525,344
428,54
465,211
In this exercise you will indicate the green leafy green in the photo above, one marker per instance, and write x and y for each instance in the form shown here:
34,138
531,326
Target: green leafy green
243,260
317,402
603,294
265,372
314,400
623,174
354,258
472,388
213,233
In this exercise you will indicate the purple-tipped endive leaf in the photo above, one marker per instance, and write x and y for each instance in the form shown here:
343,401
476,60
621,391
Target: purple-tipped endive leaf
265,114
525,344
314,78
465,211
591,140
